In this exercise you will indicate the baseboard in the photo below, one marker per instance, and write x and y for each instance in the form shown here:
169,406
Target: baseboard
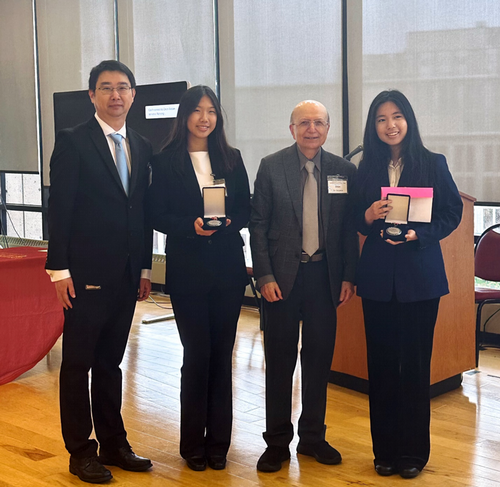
489,339
361,385
349,381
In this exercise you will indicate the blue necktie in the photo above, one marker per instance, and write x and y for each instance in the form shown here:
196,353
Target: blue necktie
121,160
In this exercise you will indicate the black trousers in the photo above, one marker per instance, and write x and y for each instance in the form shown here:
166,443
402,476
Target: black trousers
399,339
310,301
95,335
207,328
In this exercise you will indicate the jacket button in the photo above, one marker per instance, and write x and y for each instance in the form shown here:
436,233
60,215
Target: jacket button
209,242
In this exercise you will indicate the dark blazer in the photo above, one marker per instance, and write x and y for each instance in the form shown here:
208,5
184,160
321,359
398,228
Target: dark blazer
414,271
276,220
95,229
196,263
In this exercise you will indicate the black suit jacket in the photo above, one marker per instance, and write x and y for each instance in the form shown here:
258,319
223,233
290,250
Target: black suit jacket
276,220
95,229
196,263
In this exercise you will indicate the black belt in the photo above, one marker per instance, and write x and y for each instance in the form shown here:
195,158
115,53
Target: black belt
305,258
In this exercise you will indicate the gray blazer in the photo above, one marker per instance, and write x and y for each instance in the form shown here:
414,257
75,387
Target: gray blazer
276,221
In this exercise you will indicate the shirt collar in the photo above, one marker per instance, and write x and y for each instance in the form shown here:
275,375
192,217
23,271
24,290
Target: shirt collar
397,164
110,130
316,159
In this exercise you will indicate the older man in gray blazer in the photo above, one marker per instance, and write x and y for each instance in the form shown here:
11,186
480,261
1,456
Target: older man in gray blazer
304,250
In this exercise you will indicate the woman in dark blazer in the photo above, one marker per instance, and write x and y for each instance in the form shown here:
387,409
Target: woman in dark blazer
401,282
205,271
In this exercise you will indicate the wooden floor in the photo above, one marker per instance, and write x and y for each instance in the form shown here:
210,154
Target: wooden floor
465,423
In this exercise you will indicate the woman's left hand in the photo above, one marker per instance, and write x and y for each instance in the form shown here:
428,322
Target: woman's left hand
198,228
411,235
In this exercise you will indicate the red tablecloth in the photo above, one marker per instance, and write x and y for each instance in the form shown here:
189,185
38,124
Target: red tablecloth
31,318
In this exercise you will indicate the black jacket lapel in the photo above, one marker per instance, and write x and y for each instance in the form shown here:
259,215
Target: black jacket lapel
99,139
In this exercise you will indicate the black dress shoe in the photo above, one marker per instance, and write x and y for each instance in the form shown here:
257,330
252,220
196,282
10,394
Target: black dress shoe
409,472
321,451
385,468
125,458
216,462
198,464
89,470
272,458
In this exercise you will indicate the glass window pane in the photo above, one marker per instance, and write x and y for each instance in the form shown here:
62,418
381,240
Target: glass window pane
18,137
159,240
277,64
168,41
25,224
14,188
73,37
15,223
446,61
31,189
33,225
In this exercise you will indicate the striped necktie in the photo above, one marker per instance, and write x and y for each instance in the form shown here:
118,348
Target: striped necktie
310,231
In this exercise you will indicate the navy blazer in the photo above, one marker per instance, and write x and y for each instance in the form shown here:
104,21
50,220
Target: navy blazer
95,229
196,263
412,271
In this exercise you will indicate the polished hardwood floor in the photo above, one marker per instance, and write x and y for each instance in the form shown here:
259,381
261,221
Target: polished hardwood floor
465,422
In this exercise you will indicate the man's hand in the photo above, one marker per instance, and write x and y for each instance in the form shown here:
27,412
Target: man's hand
144,289
346,293
271,292
65,289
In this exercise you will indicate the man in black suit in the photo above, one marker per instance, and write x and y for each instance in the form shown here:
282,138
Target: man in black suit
304,250
99,259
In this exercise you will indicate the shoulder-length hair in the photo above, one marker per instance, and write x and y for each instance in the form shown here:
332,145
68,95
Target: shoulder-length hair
377,154
222,155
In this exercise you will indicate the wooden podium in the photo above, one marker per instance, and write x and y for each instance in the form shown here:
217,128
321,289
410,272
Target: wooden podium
454,337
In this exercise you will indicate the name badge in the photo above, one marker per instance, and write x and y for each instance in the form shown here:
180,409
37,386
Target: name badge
337,184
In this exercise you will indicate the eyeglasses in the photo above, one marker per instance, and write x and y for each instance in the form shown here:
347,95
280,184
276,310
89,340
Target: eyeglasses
305,124
121,90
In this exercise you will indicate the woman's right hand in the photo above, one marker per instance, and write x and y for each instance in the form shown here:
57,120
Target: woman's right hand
377,210
198,228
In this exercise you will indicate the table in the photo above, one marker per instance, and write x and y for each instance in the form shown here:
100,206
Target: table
31,318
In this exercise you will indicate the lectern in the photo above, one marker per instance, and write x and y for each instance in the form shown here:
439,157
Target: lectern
454,337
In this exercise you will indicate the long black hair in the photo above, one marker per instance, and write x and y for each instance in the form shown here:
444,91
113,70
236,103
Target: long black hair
377,154
222,155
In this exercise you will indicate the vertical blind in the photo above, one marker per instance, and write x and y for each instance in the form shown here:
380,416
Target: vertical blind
281,52
18,125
